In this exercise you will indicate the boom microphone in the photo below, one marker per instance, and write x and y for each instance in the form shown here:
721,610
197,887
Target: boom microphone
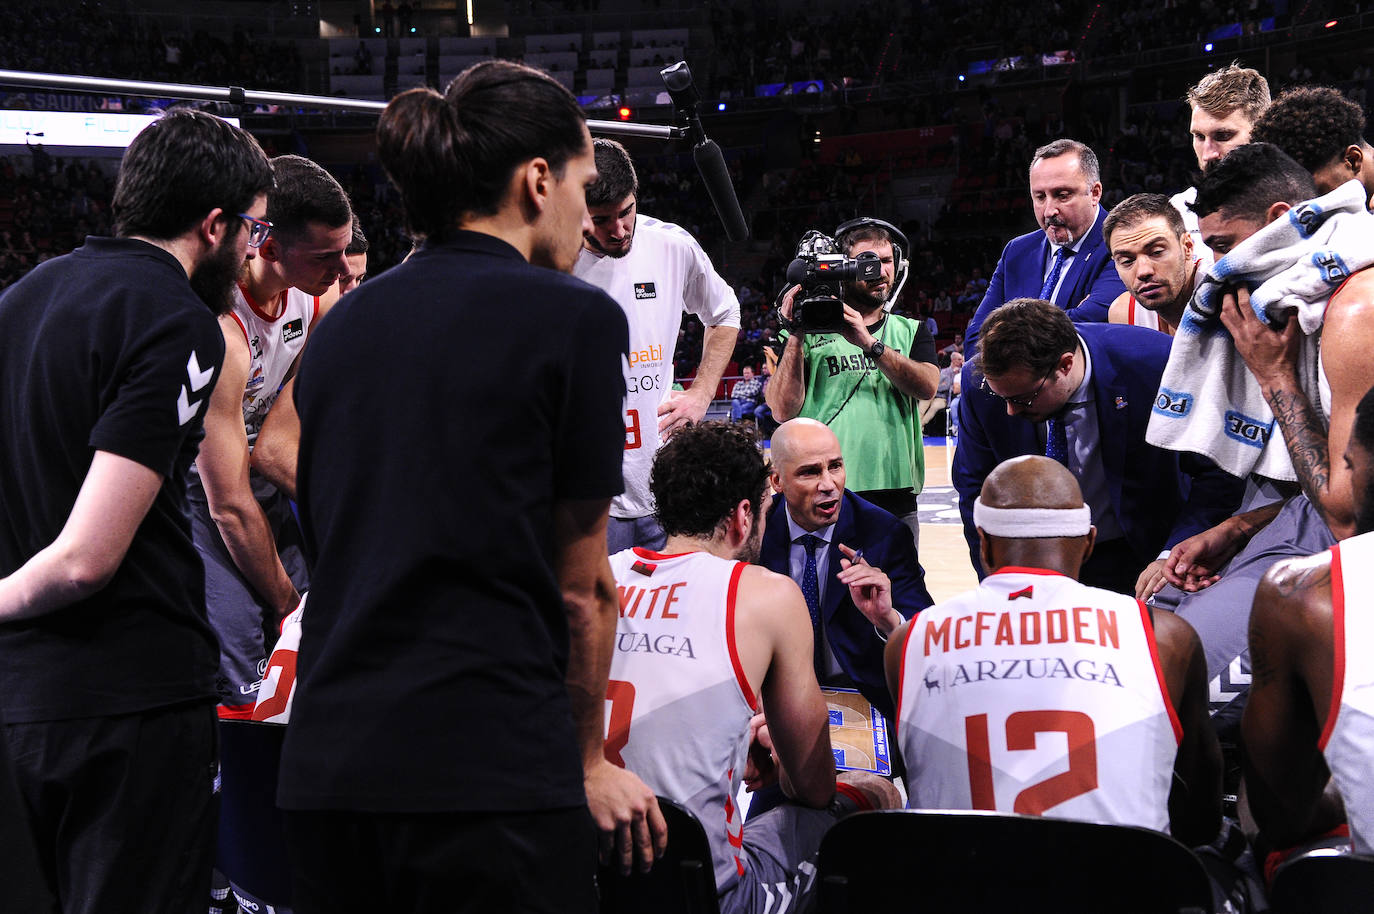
710,162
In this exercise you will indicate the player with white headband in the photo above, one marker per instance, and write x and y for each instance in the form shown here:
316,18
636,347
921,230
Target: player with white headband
1037,694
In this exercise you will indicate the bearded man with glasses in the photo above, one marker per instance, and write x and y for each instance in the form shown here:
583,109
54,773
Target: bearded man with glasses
1082,394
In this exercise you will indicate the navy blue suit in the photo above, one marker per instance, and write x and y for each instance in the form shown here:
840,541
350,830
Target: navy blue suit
1160,497
886,544
1090,282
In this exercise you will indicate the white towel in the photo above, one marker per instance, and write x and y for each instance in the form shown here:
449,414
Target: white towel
1208,400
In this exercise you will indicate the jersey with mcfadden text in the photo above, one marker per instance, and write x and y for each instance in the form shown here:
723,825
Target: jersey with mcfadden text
1348,739
678,701
665,273
1037,694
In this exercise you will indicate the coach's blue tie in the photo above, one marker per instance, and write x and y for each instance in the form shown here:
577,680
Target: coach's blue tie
811,591
1056,442
1047,290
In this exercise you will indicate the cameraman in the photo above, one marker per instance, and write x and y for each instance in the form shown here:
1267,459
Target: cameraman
864,379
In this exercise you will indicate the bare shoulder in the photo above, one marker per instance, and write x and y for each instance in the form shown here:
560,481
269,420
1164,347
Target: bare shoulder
1120,310
1176,639
1351,306
763,590
1295,594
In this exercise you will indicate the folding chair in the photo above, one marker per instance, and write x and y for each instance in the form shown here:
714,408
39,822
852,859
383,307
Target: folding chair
682,880
1324,881
252,841
918,860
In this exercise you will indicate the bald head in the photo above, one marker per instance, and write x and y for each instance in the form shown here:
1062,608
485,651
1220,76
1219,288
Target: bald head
1033,482
808,469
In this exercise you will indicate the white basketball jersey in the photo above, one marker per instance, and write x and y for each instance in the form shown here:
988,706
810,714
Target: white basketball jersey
273,344
278,689
678,705
665,273
1138,316
1348,740
1036,694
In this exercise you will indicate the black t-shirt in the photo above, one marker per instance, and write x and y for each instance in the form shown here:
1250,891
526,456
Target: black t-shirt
445,406
108,349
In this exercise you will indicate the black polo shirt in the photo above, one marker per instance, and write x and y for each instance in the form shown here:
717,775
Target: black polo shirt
445,406
106,348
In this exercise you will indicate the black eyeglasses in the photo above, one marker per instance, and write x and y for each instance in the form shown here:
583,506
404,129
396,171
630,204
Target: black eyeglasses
1025,402
258,230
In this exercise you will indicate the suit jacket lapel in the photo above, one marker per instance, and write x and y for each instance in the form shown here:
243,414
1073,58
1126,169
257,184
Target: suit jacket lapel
1069,295
1113,425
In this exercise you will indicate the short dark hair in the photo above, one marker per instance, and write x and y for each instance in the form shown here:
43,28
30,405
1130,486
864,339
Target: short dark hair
358,243
453,155
615,174
1250,179
702,473
1136,209
1313,124
179,168
1024,333
863,232
1087,159
304,193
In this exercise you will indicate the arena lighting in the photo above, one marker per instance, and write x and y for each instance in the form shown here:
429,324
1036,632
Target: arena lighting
625,113
1331,24
961,77
470,17
720,106
237,95
1207,48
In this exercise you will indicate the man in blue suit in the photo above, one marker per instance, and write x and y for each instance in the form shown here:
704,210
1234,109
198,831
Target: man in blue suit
1082,394
814,534
1066,262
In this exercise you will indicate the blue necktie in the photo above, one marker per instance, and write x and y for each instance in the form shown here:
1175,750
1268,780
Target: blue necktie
1047,290
1056,442
811,591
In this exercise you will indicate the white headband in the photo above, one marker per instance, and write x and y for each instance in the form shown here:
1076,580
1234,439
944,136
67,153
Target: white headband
1032,523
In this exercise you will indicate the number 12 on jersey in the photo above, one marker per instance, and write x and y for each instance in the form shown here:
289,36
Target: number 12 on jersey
1021,731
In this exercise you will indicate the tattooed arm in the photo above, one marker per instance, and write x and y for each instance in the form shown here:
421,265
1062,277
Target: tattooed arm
1291,665
1272,356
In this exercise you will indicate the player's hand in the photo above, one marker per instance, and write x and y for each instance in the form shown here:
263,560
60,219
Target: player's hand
1150,580
761,765
855,331
1194,564
1270,354
870,589
680,409
633,833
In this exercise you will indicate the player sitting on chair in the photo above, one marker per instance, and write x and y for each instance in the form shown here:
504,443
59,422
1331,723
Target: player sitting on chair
703,635
1037,694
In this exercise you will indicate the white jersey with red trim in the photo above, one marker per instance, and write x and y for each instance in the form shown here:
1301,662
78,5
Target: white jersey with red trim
1348,739
665,273
1037,694
278,687
273,344
678,703
1137,316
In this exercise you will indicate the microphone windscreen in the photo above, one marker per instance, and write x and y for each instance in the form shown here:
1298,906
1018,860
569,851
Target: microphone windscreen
711,164
796,272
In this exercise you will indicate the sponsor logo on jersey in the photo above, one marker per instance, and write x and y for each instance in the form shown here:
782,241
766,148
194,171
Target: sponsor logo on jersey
649,354
644,568
1246,429
292,329
1025,592
640,643
645,290
255,344
1022,668
1172,403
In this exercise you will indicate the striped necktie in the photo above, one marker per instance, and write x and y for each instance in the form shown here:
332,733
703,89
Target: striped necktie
1047,290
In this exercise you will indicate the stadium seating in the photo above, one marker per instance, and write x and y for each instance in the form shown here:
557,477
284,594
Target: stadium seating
916,860
682,881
